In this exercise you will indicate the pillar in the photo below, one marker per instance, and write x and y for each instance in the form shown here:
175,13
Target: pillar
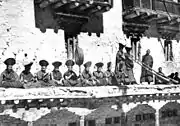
70,44
157,117
82,121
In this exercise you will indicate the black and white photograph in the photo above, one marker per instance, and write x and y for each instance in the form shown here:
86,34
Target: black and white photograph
89,62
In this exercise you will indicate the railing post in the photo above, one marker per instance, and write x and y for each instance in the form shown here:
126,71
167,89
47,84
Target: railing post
157,117
82,121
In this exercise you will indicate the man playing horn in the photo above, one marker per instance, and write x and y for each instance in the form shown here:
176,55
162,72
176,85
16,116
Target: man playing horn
120,65
129,65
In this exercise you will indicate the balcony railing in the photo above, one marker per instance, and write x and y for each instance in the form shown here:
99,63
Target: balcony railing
166,6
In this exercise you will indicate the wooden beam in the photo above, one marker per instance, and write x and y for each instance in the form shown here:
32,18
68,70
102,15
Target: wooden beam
102,10
73,5
131,15
96,9
169,28
37,1
163,19
44,4
175,21
72,16
54,1
135,24
151,17
83,7
59,4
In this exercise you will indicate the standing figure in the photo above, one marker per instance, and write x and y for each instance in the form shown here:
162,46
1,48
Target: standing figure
9,78
70,77
146,71
120,65
43,77
56,74
26,76
110,76
99,75
129,65
87,77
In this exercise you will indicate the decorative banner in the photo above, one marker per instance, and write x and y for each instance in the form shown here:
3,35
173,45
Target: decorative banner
85,92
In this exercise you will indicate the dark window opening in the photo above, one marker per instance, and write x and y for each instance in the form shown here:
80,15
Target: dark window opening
152,116
146,116
138,118
91,123
108,121
72,124
169,113
175,112
137,124
53,125
168,50
116,120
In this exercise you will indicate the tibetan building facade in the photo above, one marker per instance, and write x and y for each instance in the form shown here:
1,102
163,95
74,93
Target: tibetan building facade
59,118
141,115
6,120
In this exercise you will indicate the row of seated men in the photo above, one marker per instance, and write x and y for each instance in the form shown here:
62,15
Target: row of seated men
10,79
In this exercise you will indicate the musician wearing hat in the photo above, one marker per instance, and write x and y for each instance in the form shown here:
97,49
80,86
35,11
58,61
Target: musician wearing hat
129,65
87,77
9,78
110,76
161,79
26,76
70,77
43,77
56,74
99,75
120,64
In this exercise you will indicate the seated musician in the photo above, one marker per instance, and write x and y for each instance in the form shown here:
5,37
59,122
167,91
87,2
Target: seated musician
176,77
70,77
56,74
160,79
99,75
110,76
26,76
87,77
9,78
43,77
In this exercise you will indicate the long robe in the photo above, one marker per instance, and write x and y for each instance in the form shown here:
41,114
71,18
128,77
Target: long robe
10,80
56,77
120,67
147,75
72,81
87,78
129,65
111,78
26,78
44,79
100,78
160,80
